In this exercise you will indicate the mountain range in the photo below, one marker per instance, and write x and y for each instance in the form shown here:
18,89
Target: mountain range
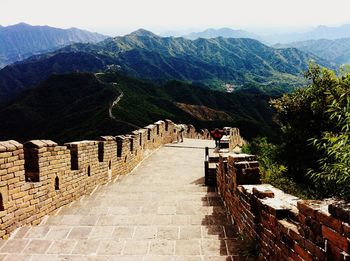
222,32
76,106
337,51
320,32
206,62
20,41
66,93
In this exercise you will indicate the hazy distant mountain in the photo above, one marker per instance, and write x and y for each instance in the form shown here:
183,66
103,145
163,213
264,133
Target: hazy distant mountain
210,62
20,41
222,32
320,32
337,51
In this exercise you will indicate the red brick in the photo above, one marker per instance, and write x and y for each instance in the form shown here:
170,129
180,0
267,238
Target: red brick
302,253
263,194
296,236
293,256
305,206
333,252
329,221
346,230
338,240
314,250
301,218
340,210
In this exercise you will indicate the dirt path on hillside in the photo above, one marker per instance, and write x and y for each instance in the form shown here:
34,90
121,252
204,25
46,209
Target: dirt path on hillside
115,103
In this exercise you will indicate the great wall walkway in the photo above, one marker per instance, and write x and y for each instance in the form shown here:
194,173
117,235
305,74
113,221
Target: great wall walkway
160,211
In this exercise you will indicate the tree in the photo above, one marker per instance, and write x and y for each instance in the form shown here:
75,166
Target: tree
314,123
333,175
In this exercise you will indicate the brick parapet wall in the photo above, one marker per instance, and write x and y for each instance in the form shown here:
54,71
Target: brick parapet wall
285,227
38,177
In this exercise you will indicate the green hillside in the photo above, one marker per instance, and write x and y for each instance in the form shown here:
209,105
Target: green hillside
75,106
206,62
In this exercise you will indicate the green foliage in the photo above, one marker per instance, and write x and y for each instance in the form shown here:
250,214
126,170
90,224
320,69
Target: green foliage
273,172
301,117
333,176
315,125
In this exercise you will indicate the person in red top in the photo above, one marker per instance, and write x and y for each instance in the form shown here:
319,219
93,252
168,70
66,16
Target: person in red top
217,135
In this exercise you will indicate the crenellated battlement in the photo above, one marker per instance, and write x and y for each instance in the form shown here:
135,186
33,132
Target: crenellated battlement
40,176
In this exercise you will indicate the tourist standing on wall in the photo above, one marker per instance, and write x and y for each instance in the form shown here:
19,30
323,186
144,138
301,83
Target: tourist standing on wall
217,135
180,132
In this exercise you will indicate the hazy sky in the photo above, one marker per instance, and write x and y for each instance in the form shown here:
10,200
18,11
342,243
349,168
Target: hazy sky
121,16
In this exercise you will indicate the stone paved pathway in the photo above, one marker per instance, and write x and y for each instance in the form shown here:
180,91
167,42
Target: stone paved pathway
160,211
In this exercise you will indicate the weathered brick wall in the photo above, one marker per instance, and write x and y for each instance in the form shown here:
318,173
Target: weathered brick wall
285,227
38,177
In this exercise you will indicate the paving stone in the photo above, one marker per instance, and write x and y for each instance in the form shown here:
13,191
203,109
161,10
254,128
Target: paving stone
58,232
37,232
218,258
106,221
129,258
123,232
86,247
231,231
233,246
110,247
14,246
166,210
54,220
44,258
213,247
145,232
20,233
102,232
181,220
80,233
163,220
72,258
190,232
14,257
168,232
37,246
187,247
188,258
61,247
89,220
162,247
157,258
213,232
144,219
136,248
100,258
